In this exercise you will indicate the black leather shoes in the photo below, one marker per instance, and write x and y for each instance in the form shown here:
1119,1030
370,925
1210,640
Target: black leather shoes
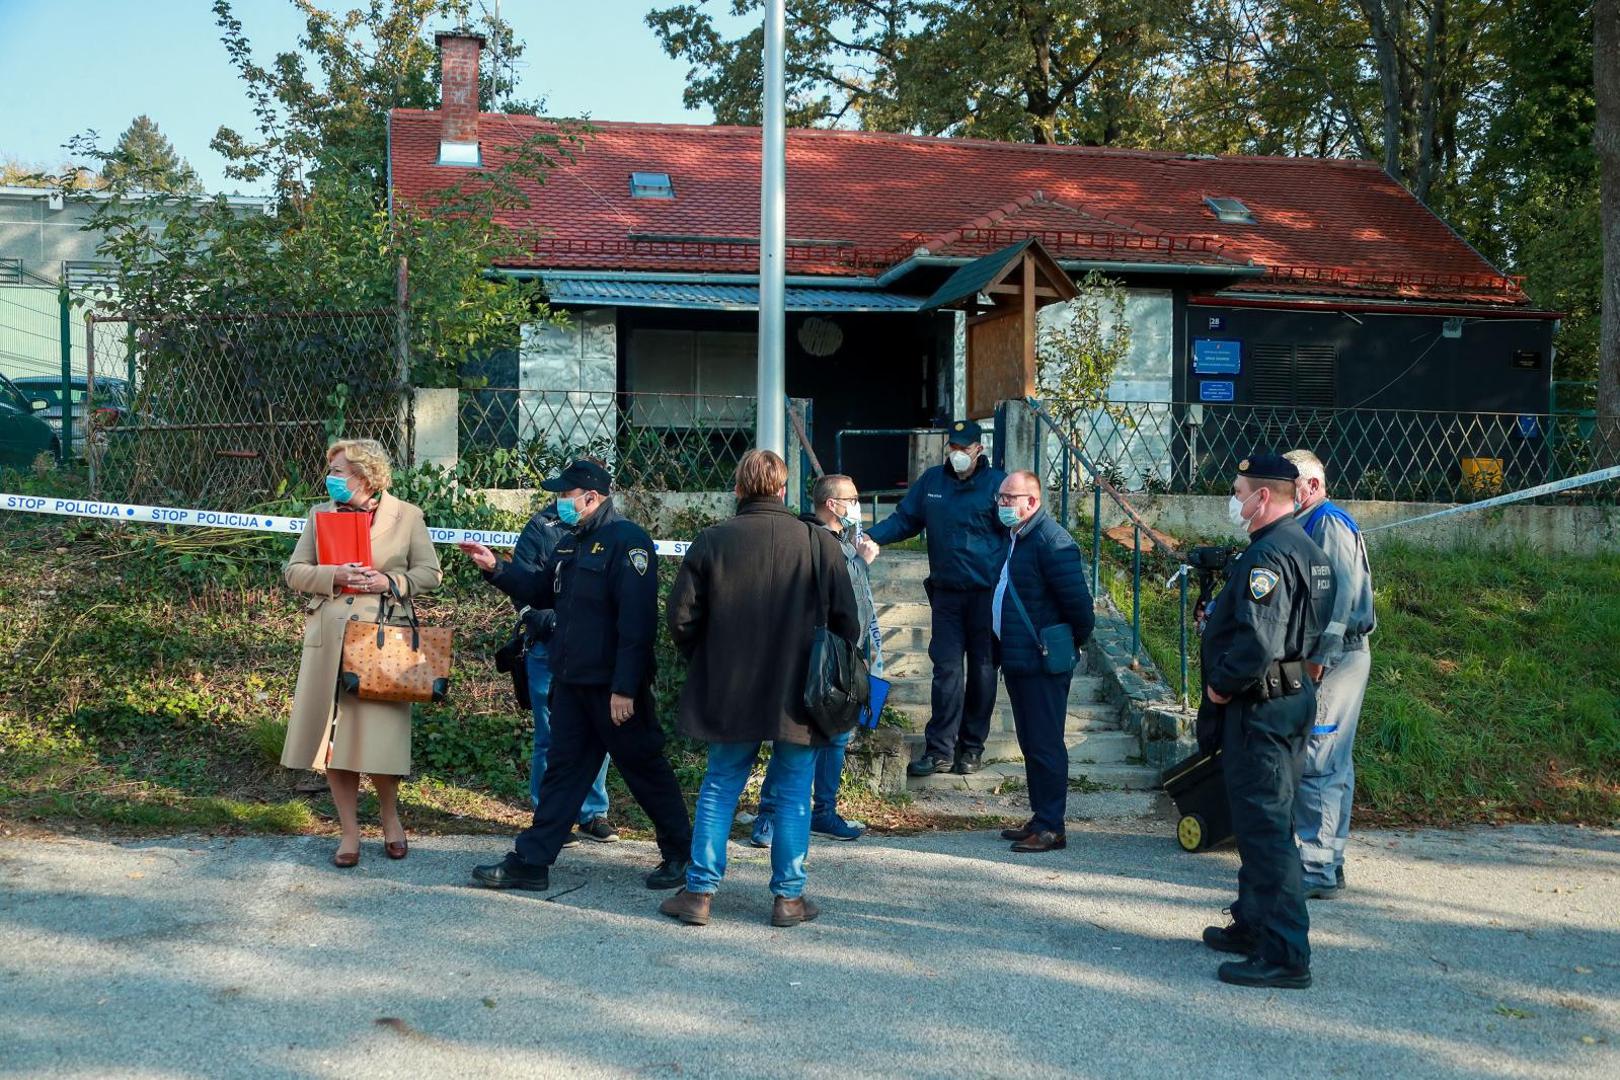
1257,972
512,873
968,761
670,873
1041,841
927,766
1022,832
1236,939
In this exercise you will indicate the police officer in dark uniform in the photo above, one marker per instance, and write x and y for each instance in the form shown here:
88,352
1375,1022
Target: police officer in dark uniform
1260,654
603,584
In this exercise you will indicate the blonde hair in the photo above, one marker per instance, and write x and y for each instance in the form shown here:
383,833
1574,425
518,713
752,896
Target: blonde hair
1308,464
760,473
368,458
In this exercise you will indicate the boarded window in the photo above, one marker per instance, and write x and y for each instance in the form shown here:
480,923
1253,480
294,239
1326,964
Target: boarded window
692,378
1298,376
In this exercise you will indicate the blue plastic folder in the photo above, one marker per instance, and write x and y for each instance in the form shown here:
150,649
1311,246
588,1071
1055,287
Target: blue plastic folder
874,707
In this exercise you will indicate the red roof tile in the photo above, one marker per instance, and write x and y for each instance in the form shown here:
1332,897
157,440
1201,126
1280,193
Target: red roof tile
866,201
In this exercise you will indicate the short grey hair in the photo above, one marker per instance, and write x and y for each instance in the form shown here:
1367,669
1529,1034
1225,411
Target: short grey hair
1308,464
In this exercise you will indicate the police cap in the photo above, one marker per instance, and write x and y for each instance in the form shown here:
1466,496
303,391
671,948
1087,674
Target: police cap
1264,465
964,433
583,474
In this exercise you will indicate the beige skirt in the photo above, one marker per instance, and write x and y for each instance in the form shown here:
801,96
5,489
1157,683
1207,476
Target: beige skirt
331,729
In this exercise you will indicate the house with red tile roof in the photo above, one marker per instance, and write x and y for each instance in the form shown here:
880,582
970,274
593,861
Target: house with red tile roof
1279,283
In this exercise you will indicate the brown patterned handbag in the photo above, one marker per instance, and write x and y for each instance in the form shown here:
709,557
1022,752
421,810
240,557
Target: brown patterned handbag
395,663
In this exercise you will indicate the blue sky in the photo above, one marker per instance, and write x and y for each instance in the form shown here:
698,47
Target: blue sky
98,64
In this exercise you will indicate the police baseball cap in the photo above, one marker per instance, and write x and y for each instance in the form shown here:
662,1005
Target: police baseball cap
582,474
964,433
1267,466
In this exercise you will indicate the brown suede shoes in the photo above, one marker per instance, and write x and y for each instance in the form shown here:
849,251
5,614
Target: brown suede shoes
689,907
793,912
1041,841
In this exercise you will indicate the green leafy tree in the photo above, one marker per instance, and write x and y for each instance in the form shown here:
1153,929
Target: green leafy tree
1037,70
1078,350
143,158
331,240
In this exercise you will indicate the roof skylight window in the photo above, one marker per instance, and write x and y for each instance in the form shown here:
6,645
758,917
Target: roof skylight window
1231,211
651,185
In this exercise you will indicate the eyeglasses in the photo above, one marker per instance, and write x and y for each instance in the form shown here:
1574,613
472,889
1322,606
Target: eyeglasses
1007,498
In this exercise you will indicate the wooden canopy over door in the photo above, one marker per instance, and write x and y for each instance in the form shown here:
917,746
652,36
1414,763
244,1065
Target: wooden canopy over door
1001,331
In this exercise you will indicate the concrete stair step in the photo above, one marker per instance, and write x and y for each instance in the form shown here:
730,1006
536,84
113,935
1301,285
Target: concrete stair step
915,688
906,613
1080,718
904,640
997,777
902,568
1107,747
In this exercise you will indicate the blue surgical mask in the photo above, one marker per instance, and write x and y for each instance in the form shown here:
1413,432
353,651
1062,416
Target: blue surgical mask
1008,515
567,512
338,488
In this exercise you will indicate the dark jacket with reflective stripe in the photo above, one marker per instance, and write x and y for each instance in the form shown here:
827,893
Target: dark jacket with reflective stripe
1046,568
966,542
603,584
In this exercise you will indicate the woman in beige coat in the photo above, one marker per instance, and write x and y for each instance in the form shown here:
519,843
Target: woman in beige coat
335,731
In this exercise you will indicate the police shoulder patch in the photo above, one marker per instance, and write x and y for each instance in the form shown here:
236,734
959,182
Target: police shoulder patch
639,560
1262,582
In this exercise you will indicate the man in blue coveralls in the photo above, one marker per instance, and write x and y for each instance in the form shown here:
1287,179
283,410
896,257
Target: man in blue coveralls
956,503
1328,783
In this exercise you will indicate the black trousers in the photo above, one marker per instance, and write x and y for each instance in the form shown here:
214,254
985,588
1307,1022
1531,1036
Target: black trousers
963,695
1263,754
582,733
1040,707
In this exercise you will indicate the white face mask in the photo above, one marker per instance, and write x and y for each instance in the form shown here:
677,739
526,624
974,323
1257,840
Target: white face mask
961,461
1234,511
850,515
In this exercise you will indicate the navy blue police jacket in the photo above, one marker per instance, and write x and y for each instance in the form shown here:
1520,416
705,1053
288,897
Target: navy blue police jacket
535,544
966,542
602,582
1046,568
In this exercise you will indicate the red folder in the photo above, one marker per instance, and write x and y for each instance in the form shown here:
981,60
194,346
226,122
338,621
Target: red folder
342,538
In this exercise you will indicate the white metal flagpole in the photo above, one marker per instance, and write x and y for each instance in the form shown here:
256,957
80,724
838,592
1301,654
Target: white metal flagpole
771,428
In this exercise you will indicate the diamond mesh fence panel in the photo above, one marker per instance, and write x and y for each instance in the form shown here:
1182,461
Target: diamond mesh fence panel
514,438
236,410
1381,454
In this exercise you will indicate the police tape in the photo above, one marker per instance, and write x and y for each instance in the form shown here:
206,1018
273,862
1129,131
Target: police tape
1550,488
244,522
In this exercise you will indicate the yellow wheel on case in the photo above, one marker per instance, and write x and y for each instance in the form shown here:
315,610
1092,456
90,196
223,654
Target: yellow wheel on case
1190,832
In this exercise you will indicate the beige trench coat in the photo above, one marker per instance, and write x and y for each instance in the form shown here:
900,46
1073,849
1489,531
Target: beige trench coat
364,736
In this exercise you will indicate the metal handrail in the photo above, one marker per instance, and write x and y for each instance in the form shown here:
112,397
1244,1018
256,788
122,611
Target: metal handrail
1098,487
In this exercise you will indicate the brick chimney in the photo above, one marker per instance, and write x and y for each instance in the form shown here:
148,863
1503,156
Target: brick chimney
458,106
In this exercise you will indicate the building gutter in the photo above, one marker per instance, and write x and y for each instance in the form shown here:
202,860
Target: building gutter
674,278
1333,305
918,262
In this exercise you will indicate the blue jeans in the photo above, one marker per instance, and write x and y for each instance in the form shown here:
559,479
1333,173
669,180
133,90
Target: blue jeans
829,774
789,777
596,803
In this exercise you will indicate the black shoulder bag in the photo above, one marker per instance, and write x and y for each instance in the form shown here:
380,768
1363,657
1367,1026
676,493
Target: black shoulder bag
1056,642
836,686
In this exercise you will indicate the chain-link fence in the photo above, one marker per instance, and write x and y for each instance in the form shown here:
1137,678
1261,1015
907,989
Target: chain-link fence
514,438
233,410
1368,453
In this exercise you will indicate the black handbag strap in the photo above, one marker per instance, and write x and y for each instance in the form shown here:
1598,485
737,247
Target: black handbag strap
1023,614
383,609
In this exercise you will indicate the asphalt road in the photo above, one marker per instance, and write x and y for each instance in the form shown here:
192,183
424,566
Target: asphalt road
1480,953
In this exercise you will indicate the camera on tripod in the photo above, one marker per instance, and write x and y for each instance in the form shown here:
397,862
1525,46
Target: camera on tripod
1208,562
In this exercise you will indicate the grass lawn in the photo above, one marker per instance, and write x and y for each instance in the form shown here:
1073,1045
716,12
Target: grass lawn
150,673
1495,689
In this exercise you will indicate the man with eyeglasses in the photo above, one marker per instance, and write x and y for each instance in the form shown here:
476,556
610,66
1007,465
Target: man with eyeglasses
1042,616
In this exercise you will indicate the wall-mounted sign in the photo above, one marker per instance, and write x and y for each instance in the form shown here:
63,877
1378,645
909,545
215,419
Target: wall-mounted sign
1215,356
1529,427
820,337
1217,390
1217,322
1527,359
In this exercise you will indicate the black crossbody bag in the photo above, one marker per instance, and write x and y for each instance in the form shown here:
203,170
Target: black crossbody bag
836,686
1056,642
